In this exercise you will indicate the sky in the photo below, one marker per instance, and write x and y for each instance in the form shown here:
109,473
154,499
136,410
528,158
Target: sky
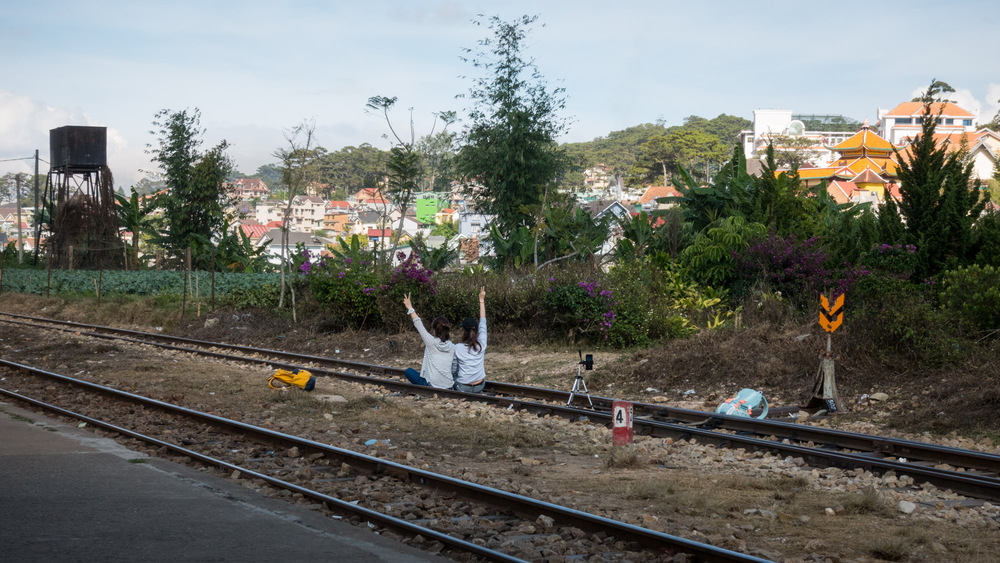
255,69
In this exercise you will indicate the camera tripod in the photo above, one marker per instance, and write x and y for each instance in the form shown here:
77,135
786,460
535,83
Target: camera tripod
579,385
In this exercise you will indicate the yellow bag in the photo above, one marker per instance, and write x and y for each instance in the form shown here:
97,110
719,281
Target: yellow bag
300,378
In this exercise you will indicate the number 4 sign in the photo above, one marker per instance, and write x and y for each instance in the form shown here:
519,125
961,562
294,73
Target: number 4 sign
621,422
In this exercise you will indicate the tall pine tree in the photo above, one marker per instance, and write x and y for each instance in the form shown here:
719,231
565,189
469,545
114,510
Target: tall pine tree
939,204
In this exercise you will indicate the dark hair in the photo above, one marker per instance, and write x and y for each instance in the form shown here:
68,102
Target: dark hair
470,335
441,328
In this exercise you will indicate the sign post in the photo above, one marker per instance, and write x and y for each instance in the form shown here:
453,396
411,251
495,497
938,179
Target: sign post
825,392
621,422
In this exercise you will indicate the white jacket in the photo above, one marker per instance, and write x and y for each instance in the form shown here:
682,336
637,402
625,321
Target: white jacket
470,363
438,355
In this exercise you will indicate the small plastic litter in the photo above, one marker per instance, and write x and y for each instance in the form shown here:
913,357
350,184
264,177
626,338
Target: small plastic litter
690,392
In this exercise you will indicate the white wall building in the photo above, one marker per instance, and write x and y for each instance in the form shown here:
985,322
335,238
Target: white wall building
902,123
771,123
305,216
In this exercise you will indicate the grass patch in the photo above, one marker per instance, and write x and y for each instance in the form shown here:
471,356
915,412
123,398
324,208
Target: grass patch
137,460
890,549
868,501
650,490
622,458
21,418
365,403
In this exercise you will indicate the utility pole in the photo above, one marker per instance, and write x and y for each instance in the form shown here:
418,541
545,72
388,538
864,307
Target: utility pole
38,213
20,234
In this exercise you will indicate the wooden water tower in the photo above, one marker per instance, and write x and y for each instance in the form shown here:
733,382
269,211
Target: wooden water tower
80,200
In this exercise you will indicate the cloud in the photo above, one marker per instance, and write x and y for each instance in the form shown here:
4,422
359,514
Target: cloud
24,127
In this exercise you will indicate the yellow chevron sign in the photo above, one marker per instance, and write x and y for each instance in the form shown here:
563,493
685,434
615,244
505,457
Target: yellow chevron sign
831,317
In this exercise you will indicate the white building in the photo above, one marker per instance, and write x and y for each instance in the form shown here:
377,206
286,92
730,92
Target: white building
774,124
305,216
902,123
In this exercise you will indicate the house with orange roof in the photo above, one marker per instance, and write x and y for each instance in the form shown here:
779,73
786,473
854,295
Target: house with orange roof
376,235
254,232
249,188
906,120
648,201
982,147
365,195
446,215
338,206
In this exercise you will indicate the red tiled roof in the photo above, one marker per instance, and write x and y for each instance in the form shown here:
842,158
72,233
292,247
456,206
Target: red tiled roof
654,192
254,231
275,224
914,109
380,232
841,190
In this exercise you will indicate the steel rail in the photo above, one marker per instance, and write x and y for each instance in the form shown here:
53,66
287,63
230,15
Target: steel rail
522,505
337,505
874,447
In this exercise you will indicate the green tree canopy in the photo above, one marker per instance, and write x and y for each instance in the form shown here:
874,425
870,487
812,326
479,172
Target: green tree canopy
193,207
509,146
939,202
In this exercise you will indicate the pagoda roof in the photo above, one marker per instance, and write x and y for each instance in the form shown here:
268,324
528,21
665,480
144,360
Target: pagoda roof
818,173
868,176
865,139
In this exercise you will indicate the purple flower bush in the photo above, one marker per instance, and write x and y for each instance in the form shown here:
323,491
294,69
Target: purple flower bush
581,309
796,268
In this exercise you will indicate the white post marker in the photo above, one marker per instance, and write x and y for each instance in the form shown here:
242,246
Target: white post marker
621,423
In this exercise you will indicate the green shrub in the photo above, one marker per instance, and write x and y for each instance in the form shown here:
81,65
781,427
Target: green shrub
260,297
634,287
710,256
130,282
900,316
349,298
581,309
973,292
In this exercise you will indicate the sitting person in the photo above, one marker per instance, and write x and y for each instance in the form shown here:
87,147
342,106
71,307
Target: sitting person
435,371
470,371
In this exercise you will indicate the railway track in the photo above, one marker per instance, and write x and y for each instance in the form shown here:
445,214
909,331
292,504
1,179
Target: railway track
967,472
460,516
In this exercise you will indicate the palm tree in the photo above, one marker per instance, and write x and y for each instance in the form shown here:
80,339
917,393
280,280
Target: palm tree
134,217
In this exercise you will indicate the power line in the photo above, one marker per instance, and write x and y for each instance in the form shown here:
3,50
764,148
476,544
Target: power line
32,157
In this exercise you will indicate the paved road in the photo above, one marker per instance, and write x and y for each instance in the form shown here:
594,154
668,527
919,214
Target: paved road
67,495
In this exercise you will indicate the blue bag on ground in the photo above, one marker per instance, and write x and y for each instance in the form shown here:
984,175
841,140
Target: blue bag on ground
746,403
